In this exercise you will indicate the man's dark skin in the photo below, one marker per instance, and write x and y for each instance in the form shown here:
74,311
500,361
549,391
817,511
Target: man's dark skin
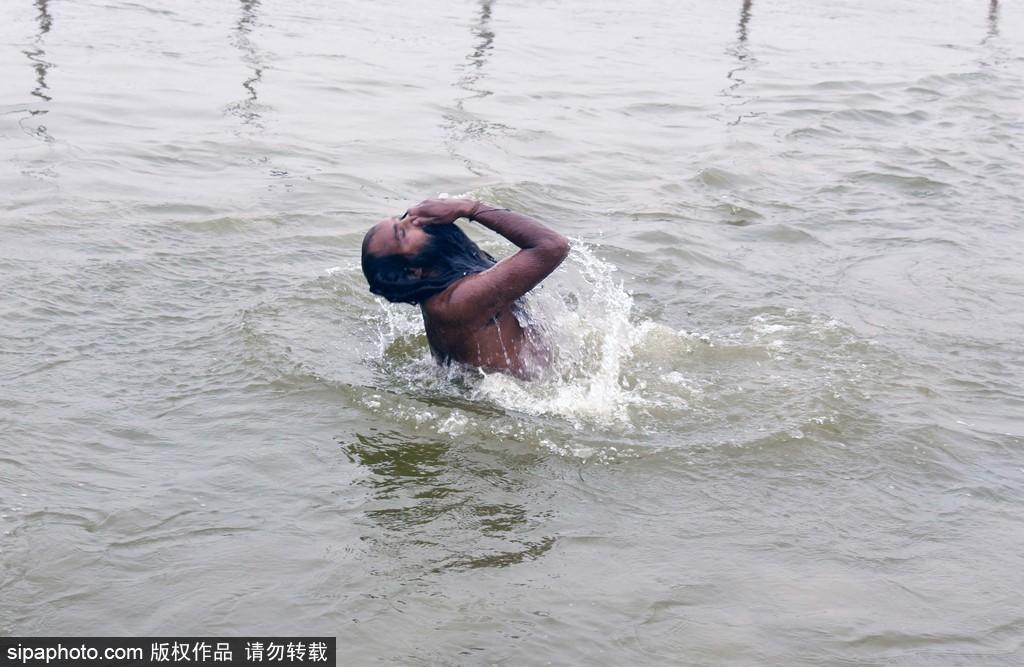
471,321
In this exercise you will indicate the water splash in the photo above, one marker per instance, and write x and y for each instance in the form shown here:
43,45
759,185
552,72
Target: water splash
770,374
585,316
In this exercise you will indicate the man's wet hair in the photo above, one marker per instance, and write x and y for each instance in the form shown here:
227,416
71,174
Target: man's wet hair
447,256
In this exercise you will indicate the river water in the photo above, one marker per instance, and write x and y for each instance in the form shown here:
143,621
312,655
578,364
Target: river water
786,421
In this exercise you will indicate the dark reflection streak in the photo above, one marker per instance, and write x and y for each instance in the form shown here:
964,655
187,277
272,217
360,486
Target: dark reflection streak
460,125
485,42
45,20
37,56
992,52
742,54
745,19
248,109
993,20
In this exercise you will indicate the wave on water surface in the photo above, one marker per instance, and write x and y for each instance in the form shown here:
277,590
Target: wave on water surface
614,372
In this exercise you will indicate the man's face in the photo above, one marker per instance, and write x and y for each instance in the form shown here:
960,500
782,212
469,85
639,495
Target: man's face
396,237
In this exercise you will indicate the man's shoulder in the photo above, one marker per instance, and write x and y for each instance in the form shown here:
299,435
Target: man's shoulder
450,306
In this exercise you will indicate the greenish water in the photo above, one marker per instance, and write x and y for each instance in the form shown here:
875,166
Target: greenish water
785,422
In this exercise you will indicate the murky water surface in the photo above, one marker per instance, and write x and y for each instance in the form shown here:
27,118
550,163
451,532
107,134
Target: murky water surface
786,423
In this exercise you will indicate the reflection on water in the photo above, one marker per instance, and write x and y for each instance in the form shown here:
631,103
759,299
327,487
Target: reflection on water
37,56
460,123
422,489
485,40
744,20
741,53
248,109
993,20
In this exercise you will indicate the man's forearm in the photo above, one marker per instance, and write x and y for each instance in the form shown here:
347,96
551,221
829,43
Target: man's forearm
520,229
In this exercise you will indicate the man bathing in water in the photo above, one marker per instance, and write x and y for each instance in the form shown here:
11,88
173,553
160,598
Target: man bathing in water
468,300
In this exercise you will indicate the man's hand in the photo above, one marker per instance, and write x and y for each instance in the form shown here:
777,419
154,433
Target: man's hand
441,211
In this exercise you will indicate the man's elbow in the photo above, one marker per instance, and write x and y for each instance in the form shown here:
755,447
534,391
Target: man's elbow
557,248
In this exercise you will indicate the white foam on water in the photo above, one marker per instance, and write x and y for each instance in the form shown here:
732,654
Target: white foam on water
585,317
618,377
592,336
